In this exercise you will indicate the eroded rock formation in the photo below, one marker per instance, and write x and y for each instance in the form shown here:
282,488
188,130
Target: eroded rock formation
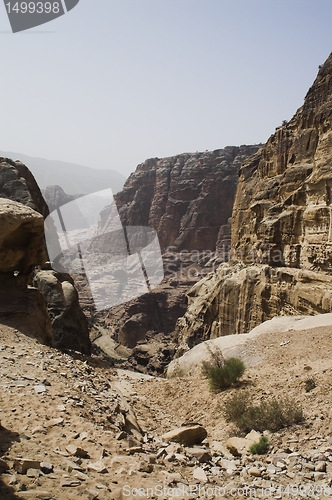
22,248
50,316
187,198
281,230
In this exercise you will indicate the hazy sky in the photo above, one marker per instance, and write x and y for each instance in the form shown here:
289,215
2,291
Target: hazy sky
114,82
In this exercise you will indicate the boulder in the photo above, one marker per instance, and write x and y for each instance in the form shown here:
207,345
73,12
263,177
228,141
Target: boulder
18,184
21,238
281,230
52,308
21,248
239,446
187,436
70,328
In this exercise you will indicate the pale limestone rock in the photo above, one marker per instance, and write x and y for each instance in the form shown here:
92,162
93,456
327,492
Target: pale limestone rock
187,436
97,467
200,475
21,465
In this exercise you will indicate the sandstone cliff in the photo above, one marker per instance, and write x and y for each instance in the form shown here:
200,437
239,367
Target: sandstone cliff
281,230
187,198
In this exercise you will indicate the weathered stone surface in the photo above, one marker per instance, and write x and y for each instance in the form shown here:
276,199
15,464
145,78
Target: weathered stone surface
18,184
24,308
55,197
188,436
238,446
281,230
21,238
22,247
187,198
70,328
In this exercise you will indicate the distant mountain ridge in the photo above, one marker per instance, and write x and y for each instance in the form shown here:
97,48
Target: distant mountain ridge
71,177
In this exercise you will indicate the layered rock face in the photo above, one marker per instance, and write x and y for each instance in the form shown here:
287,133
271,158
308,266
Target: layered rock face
281,230
50,316
69,324
187,198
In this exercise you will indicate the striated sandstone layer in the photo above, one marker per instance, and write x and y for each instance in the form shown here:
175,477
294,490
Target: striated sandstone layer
22,248
281,230
187,198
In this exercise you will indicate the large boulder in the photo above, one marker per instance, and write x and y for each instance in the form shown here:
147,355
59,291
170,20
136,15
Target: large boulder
22,248
24,308
21,237
187,199
18,184
70,328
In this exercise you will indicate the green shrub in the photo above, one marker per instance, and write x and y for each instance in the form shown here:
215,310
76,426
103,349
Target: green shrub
269,415
309,384
223,377
261,447
218,361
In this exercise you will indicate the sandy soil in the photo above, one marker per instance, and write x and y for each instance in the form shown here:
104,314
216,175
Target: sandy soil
84,402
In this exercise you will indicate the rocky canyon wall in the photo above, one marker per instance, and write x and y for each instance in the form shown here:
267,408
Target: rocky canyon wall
188,200
281,230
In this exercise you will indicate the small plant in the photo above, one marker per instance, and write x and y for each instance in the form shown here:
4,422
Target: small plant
223,377
261,447
309,384
218,361
269,415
